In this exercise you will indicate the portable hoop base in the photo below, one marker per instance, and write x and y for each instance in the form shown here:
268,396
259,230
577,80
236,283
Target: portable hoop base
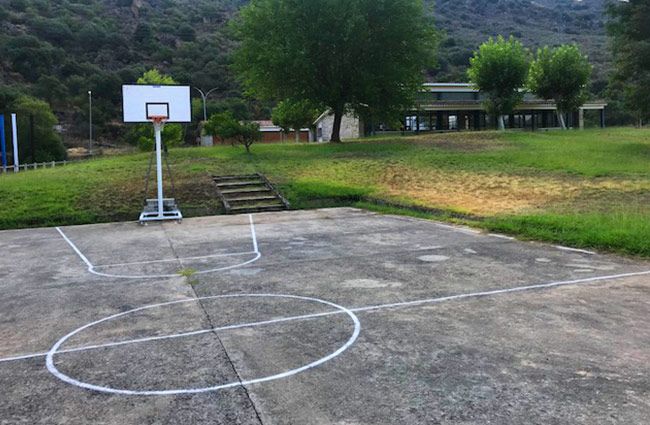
151,212
160,208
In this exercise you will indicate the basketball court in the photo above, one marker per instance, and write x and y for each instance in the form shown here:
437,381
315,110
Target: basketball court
333,316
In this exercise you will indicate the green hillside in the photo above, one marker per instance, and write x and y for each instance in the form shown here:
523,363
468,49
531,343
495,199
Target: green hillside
57,50
467,23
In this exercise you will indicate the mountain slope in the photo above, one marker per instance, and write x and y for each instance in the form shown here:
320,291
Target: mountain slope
467,23
59,49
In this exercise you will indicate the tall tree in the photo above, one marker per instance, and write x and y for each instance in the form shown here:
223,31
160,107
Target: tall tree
295,115
560,74
499,69
629,28
343,54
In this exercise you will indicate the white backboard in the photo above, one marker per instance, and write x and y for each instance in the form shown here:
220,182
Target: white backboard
140,102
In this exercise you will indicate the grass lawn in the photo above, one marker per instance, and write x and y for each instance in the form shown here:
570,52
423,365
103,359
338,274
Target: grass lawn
588,189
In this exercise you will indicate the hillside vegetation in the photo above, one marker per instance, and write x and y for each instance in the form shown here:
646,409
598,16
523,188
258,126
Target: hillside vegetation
467,23
57,50
585,189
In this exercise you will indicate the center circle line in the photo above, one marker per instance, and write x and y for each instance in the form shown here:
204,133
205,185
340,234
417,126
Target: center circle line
49,359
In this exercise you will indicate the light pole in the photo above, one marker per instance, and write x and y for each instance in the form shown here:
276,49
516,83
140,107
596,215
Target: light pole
204,97
90,122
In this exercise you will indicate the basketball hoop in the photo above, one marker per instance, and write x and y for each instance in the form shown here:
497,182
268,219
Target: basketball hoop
157,113
157,104
158,120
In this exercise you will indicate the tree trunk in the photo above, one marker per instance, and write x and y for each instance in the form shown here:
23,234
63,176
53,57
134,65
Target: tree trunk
336,127
560,118
297,135
502,124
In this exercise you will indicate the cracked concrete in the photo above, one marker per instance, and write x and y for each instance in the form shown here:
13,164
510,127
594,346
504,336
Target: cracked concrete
575,354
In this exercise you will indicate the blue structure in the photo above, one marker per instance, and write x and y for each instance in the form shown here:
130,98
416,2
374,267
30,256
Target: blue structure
3,145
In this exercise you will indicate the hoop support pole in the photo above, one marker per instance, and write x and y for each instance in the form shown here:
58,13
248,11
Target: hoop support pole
157,130
154,209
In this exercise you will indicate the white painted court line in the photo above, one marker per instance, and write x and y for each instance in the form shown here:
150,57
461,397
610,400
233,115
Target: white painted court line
22,357
582,251
461,229
49,359
91,267
177,335
501,291
75,249
253,234
316,315
500,236
170,260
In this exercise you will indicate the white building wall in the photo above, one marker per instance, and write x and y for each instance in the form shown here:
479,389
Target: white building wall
351,127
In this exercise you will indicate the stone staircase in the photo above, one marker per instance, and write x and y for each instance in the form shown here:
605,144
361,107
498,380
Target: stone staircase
249,193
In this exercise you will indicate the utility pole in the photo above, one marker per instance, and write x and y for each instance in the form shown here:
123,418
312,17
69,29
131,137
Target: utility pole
90,122
204,97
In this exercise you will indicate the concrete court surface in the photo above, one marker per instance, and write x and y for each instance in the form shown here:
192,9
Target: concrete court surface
333,316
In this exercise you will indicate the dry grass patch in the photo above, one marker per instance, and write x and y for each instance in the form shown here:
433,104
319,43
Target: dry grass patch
489,194
462,142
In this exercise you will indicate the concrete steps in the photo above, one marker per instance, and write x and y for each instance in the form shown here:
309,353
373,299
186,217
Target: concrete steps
248,193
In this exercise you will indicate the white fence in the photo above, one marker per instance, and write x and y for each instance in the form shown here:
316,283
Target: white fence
34,166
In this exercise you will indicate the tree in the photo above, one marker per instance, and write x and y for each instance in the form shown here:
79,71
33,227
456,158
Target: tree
8,95
46,142
29,56
153,76
560,74
54,31
51,89
143,33
249,133
18,5
629,28
499,68
294,115
342,54
226,127
92,35
142,134
223,125
186,33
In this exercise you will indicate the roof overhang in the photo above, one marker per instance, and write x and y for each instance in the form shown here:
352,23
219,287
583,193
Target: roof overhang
594,105
525,106
449,88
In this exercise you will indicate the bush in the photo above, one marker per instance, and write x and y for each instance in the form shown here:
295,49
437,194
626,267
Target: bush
143,135
47,143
